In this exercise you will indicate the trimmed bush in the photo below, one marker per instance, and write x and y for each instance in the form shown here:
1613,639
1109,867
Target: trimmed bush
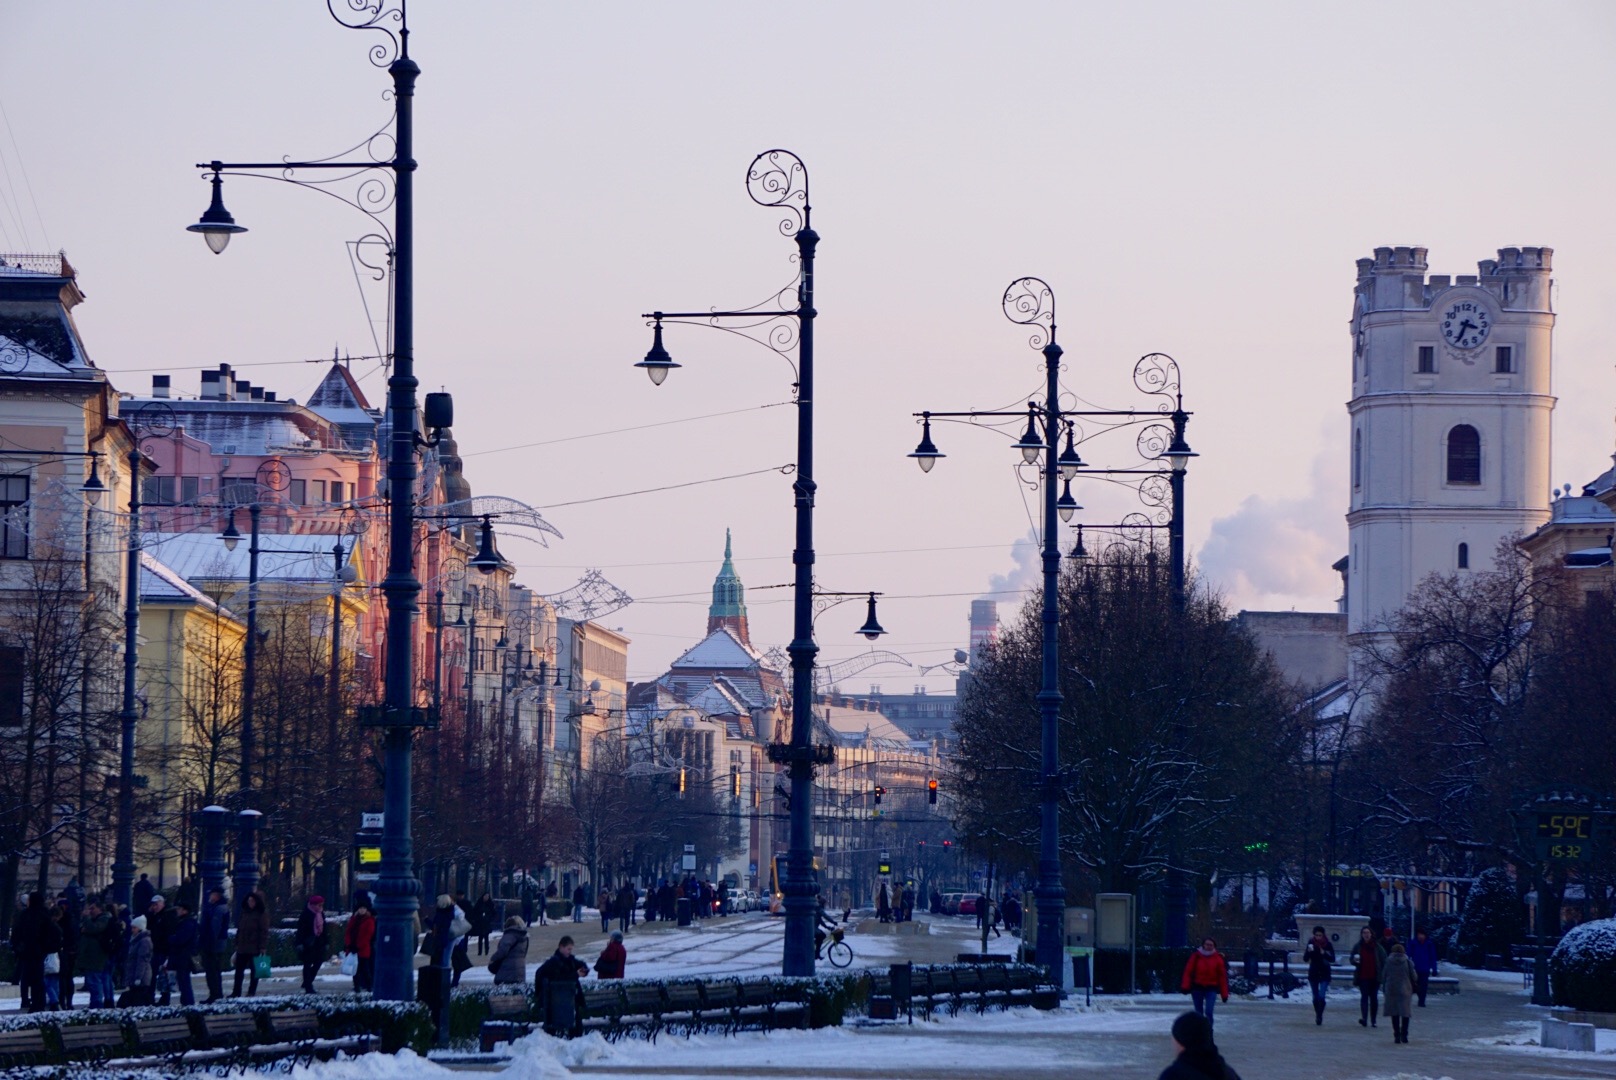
1582,968
1494,919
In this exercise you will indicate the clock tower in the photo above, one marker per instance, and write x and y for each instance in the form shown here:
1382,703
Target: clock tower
1450,418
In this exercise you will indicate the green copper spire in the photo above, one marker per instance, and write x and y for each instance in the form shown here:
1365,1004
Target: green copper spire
729,595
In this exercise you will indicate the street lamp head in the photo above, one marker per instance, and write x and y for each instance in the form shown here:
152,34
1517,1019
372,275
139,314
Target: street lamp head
1031,443
926,454
1069,461
1179,453
871,628
216,225
657,362
231,535
1066,506
93,488
1079,552
487,560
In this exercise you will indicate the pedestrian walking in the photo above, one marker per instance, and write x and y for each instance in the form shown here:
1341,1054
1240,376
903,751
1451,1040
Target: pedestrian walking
138,970
215,922
98,944
459,939
1206,978
140,897
310,940
1422,952
883,905
509,962
561,968
578,902
359,938
1397,980
482,922
1198,1057
71,906
624,906
613,958
1368,958
183,941
53,959
1320,956
603,904
252,940
33,937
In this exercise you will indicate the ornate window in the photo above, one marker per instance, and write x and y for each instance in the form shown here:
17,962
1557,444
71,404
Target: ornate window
1464,455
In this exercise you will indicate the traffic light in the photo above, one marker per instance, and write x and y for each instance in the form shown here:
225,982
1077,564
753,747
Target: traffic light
681,781
931,791
879,791
948,846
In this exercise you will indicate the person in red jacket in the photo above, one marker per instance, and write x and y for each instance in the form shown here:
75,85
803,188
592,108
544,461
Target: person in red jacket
360,939
1206,977
613,958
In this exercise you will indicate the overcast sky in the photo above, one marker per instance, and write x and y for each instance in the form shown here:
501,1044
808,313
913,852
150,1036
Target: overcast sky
1191,178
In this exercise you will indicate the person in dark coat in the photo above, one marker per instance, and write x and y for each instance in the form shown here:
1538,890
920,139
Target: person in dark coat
182,943
98,943
140,899
67,922
613,958
215,924
160,920
1320,955
1198,1057
252,938
1368,958
1397,980
562,967
509,962
1422,951
578,903
33,937
310,940
138,968
482,922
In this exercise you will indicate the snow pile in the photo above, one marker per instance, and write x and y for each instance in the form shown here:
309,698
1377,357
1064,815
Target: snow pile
404,1065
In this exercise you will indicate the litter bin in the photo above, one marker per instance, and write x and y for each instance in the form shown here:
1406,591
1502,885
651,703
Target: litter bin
432,990
684,911
1252,962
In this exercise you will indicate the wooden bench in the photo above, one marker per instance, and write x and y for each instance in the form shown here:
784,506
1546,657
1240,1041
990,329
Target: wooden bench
507,1020
722,999
681,1006
163,1036
225,1031
25,1046
643,1000
91,1042
299,1029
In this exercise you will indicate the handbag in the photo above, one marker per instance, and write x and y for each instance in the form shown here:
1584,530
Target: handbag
261,967
350,964
459,927
53,963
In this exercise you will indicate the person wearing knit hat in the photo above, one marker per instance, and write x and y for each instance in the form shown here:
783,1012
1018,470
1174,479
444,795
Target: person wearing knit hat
1198,1057
137,965
139,922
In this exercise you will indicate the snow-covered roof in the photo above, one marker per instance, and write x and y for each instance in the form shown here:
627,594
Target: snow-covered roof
286,557
247,428
718,650
860,724
159,583
339,399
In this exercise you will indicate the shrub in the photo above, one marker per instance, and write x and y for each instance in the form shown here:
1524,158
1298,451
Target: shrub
1582,968
1494,919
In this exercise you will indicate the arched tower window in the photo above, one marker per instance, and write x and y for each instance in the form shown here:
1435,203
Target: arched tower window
1464,455
1464,556
1357,459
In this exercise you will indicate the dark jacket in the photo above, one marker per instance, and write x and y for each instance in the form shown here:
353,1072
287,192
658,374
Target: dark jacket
33,935
1423,953
482,918
1319,958
160,926
252,932
509,962
182,942
137,964
94,939
310,946
1208,1065
1367,964
560,968
215,926
140,899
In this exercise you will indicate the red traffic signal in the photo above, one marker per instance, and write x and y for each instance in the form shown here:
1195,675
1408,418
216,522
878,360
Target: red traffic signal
931,791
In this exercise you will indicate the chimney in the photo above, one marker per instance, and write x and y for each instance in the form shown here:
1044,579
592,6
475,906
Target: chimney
243,390
258,393
269,395
210,386
160,386
984,625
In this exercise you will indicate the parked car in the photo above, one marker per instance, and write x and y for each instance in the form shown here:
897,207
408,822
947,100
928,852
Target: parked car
967,904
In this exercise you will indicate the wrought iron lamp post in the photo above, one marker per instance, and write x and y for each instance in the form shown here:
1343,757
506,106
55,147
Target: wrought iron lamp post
778,178
397,888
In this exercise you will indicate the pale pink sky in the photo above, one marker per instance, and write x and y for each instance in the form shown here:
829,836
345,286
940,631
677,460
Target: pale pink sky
1192,178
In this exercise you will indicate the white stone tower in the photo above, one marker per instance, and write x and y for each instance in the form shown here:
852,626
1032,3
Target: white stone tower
1451,416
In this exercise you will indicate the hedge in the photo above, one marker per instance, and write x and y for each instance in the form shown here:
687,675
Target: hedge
1582,968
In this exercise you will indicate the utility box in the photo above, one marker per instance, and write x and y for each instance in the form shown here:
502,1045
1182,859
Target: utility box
1079,928
1114,921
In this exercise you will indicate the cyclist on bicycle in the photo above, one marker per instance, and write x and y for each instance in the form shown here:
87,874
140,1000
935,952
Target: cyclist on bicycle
822,924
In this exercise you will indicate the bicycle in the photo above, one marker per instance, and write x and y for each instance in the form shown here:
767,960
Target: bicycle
839,952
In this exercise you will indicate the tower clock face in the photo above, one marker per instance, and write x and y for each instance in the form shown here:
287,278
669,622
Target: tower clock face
1466,324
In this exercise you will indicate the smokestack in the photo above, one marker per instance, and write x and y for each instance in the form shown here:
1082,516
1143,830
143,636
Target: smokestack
984,625
160,386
